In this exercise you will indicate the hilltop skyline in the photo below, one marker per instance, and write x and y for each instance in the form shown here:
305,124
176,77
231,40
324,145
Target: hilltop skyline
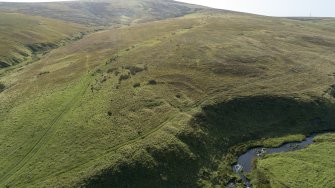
279,8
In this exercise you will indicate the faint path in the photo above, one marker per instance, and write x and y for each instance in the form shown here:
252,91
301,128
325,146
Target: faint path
119,146
45,137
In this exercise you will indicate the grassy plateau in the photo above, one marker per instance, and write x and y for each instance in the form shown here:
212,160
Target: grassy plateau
169,101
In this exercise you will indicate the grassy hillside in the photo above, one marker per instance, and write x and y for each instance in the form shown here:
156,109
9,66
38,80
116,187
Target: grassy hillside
23,35
30,28
105,12
311,167
164,104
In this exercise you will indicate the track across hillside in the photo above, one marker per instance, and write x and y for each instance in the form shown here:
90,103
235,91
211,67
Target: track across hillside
56,122
46,136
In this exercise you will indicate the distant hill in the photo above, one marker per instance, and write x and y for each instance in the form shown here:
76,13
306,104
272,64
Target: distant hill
24,35
50,24
105,12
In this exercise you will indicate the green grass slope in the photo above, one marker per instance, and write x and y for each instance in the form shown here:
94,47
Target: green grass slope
26,29
23,35
311,167
163,104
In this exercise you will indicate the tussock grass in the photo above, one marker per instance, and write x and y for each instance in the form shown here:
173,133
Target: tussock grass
2,87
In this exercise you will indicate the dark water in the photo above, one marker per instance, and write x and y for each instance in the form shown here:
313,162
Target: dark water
244,164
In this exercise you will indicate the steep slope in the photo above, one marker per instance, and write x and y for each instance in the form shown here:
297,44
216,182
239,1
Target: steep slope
23,35
163,104
105,12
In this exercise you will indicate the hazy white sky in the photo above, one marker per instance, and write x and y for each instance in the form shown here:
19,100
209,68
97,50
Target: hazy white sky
33,0
323,8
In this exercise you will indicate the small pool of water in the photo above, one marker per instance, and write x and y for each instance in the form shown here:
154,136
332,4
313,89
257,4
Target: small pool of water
245,161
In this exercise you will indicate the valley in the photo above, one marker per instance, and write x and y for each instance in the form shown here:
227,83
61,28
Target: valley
163,101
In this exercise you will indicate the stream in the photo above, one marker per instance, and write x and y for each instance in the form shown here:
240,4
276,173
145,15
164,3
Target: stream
245,161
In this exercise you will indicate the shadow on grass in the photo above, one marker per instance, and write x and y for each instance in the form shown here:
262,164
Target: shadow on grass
251,118
166,167
211,134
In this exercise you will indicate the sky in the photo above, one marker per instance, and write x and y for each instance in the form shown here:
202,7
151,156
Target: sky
315,8
33,0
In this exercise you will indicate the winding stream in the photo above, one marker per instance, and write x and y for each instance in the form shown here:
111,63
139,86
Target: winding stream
244,164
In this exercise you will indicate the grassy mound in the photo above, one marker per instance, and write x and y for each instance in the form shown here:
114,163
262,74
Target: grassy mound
311,167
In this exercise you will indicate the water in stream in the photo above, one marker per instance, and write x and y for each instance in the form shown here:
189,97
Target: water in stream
244,164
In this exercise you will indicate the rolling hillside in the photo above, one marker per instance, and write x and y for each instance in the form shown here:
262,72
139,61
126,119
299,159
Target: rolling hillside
28,29
166,103
105,12
23,35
